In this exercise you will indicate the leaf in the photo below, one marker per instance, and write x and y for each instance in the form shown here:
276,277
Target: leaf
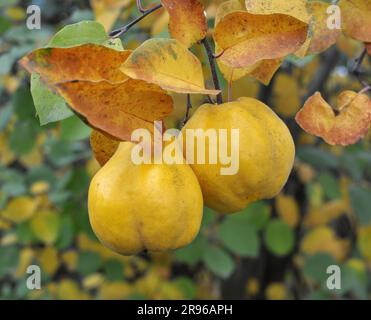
218,262
294,8
88,262
288,209
247,38
279,237
356,21
364,242
241,239
315,266
107,11
79,33
368,47
45,226
361,203
57,65
103,95
169,64
73,129
192,253
318,158
103,146
187,20
19,209
117,109
320,37
350,124
49,106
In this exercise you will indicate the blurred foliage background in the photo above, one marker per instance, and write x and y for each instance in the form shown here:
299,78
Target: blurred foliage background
276,249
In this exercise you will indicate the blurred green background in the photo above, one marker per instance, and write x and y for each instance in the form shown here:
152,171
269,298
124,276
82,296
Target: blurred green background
277,249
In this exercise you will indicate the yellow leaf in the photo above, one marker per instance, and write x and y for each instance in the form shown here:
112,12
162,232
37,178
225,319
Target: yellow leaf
294,8
45,226
364,241
39,187
26,256
325,213
114,291
19,209
351,123
286,100
252,287
322,239
92,281
247,38
107,11
355,19
276,291
169,64
48,259
288,209
69,290
187,20
70,258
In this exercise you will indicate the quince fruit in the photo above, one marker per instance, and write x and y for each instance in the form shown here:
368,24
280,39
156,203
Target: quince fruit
135,207
266,154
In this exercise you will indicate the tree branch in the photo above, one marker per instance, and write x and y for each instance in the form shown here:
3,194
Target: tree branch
118,32
211,57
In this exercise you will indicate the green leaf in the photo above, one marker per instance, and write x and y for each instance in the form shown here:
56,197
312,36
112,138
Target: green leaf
361,203
9,259
23,137
315,267
67,232
238,237
318,158
279,237
330,186
79,33
192,253
88,262
113,270
218,261
23,104
73,129
49,107
187,287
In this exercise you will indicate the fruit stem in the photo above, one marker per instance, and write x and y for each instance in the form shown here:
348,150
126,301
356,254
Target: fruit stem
118,32
189,107
211,57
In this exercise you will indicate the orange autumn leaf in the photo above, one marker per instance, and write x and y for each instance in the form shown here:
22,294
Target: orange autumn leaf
355,19
350,123
86,62
119,108
187,20
103,146
261,70
169,64
320,37
247,38
88,77
294,8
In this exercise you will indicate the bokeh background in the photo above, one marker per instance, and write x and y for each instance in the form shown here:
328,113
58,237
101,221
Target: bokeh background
276,249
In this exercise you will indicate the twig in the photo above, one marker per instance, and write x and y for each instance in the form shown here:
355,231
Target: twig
357,70
211,58
189,107
118,32
140,6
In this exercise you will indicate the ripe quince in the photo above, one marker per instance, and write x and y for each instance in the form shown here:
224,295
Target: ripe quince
266,154
133,207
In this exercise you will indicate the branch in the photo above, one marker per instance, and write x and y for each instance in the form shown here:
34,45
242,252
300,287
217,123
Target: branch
189,107
140,6
358,73
211,58
118,32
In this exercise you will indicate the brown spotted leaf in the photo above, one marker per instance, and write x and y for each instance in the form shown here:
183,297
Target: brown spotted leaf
350,123
247,38
119,108
187,20
103,146
89,62
356,19
169,64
